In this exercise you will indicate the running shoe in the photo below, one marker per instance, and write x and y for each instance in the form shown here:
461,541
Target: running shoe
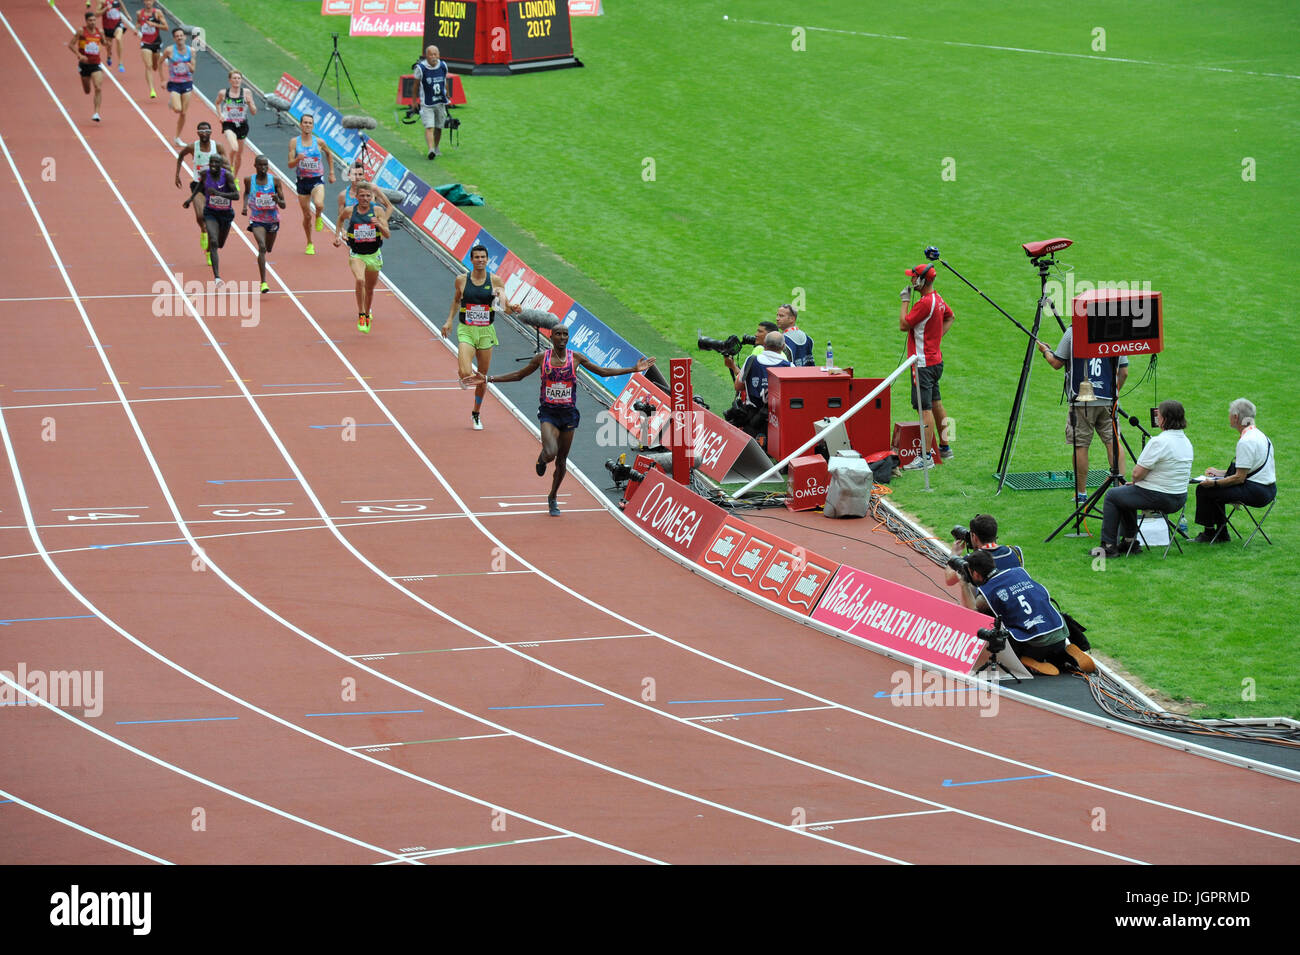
203,240
209,257
121,69
552,507
478,425
541,468
110,61
311,249
432,153
153,94
180,142
363,323
919,462
464,384
265,288
95,117
946,452
237,187
320,222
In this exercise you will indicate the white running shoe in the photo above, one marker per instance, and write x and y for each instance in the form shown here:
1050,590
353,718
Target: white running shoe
180,142
918,463
95,117
478,425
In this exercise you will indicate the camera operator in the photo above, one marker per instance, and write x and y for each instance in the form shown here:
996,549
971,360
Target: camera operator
1086,416
1024,607
926,323
434,97
798,343
749,413
982,535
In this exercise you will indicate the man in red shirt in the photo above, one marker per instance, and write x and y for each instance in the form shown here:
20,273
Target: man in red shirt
926,323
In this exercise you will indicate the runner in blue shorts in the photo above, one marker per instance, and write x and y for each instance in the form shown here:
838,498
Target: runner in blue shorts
558,411
310,158
262,190
179,58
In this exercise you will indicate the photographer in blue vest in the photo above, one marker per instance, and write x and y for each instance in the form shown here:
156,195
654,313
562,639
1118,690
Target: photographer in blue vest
1024,608
749,413
435,95
797,342
982,535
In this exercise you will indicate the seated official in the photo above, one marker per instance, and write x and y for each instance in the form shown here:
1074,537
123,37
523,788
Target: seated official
1024,607
1160,479
1250,479
983,535
749,413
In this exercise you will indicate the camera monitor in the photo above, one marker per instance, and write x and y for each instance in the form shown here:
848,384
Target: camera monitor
1108,323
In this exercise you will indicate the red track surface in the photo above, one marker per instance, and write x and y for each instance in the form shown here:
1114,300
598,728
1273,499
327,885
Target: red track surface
307,607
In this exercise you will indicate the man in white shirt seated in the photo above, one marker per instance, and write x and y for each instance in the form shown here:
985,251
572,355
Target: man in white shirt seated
1160,479
1250,479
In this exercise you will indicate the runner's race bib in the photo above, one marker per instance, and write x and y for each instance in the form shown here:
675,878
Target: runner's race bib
112,14
364,232
478,315
219,203
309,166
234,113
264,200
181,69
559,393
91,48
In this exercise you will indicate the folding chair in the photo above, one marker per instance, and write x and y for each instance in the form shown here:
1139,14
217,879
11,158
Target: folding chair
1259,523
1170,523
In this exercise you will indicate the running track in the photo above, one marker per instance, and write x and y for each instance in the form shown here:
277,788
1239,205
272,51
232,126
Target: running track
352,652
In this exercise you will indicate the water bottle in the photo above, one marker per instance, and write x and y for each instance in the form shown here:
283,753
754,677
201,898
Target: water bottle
830,357
1182,524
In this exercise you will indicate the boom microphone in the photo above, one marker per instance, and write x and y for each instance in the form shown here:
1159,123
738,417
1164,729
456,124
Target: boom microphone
538,318
359,122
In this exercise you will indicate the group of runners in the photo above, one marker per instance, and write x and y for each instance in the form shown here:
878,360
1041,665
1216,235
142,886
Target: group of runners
362,219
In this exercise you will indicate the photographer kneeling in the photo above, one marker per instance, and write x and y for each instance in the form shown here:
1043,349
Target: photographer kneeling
1024,607
982,535
749,413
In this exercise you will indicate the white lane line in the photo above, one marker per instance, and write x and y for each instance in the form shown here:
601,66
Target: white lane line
634,702
1018,49
352,520
166,491
738,715
391,500
493,497
785,756
371,747
88,298
516,643
36,700
278,394
434,853
888,815
105,507
292,464
19,801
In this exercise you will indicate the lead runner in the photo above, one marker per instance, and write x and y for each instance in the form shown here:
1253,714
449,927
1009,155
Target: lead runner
558,411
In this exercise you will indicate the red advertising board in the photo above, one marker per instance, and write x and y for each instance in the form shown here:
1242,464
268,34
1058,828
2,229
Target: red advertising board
336,8
891,615
287,87
639,388
439,218
374,8
674,515
527,289
768,565
375,157
409,6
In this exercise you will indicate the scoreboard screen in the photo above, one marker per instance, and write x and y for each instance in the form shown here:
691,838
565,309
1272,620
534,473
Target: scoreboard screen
449,25
539,29
1109,323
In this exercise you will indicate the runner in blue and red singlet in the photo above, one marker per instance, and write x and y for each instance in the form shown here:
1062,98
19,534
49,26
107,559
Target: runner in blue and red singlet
262,192
150,24
558,411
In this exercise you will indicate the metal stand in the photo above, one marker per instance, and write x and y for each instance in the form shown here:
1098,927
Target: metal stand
336,60
1044,264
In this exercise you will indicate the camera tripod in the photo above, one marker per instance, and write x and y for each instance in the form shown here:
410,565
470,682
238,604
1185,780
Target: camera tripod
1043,262
336,61
1089,505
996,640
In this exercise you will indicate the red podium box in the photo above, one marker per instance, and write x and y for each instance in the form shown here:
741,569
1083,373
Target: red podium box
809,480
797,398
907,442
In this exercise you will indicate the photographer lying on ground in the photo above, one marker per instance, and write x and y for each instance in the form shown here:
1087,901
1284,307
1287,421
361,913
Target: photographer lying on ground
1024,607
